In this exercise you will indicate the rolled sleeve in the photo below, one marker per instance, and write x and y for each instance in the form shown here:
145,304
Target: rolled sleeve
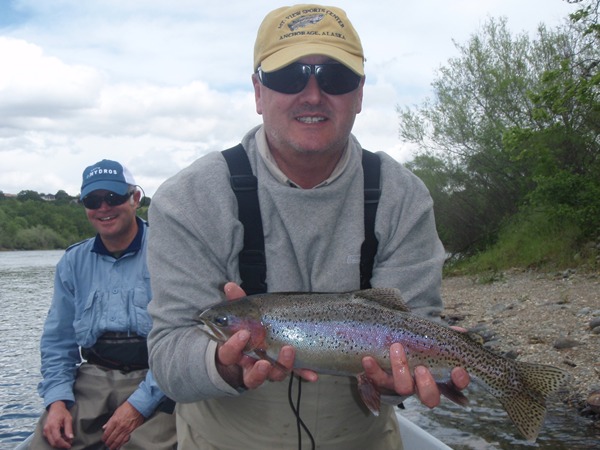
147,396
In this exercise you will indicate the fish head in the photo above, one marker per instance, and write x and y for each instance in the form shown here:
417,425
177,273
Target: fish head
224,320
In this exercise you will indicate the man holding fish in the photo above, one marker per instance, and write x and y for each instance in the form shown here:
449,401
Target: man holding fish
308,82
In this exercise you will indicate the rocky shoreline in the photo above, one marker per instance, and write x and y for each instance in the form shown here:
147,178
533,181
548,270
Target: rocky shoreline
546,318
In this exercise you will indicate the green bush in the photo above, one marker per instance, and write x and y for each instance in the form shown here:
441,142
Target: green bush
533,240
39,237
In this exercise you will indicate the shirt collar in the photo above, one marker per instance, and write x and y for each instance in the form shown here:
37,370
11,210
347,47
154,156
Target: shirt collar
133,247
267,157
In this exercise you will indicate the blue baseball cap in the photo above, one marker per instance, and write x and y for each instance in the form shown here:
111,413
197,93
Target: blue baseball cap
107,175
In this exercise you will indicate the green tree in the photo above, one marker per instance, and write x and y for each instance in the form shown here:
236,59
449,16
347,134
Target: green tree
492,132
28,195
62,197
28,222
145,202
565,152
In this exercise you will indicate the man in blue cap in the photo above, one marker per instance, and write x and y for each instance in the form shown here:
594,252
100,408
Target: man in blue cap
98,312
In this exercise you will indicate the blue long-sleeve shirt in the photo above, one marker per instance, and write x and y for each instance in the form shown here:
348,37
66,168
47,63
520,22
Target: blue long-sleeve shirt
96,293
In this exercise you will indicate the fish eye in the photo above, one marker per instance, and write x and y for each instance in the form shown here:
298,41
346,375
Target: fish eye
221,321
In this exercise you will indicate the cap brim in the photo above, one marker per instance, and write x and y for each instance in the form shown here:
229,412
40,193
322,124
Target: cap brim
290,54
113,186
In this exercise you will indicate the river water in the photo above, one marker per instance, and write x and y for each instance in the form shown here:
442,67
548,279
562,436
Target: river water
26,284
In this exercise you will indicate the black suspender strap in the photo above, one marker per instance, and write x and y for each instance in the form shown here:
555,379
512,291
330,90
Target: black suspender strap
372,173
252,259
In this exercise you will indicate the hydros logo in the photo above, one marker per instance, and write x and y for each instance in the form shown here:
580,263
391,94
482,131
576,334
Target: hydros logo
95,171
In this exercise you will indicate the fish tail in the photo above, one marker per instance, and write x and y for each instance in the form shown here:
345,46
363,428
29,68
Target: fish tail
525,399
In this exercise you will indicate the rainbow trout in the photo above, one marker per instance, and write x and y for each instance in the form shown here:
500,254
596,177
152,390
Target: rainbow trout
332,332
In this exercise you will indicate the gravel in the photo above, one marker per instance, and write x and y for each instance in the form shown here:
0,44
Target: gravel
546,318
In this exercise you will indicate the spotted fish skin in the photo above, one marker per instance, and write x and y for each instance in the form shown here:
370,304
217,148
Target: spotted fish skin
332,332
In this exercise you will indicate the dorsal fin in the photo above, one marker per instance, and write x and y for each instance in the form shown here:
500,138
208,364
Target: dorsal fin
388,297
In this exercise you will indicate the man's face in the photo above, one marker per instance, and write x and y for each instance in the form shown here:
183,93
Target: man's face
309,121
113,222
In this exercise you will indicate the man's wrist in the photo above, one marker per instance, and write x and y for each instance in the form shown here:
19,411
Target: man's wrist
232,375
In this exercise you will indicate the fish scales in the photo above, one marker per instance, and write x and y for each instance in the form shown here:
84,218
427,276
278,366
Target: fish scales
322,332
332,332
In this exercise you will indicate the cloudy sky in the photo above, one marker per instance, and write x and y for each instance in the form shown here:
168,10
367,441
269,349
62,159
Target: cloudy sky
156,84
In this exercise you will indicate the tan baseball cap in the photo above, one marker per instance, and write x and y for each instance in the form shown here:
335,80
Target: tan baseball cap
293,32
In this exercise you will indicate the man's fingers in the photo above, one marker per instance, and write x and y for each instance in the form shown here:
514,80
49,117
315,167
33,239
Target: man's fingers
257,374
403,379
286,361
233,291
260,371
231,351
427,389
460,378
307,375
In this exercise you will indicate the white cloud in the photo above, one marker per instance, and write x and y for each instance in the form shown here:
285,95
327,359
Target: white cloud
157,83
33,84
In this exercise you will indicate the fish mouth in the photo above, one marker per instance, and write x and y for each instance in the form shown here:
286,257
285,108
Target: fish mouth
211,329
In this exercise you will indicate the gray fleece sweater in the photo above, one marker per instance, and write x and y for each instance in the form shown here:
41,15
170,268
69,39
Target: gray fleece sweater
312,242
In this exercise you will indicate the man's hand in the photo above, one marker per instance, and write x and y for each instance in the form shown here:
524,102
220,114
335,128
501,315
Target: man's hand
242,371
402,381
120,426
58,429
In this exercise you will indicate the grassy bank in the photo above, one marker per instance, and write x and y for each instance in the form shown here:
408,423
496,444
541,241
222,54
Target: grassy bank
532,241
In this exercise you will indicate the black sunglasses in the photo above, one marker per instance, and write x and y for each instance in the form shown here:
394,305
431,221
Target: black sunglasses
111,199
333,78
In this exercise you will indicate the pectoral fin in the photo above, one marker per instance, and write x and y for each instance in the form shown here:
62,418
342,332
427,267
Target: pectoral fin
449,391
369,394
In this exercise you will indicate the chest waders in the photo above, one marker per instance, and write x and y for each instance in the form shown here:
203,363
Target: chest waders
252,259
